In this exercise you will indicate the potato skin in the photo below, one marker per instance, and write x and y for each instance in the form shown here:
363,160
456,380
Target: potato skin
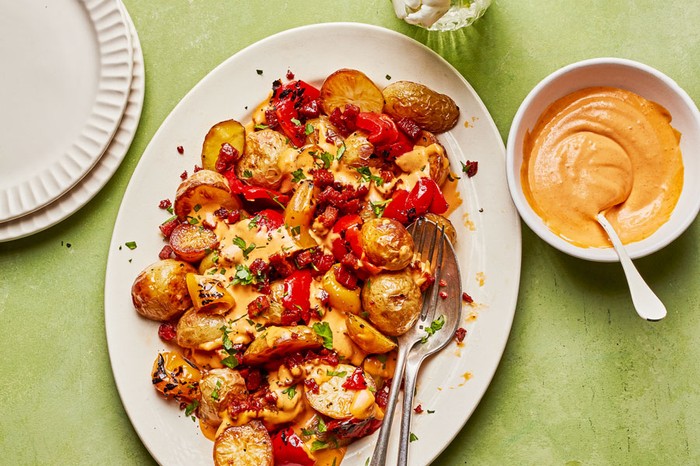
387,243
160,291
259,165
214,387
431,110
393,301
246,445
198,329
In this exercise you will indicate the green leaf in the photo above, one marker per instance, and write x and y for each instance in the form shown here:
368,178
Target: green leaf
247,249
290,392
191,408
298,175
412,437
324,331
131,245
368,176
435,326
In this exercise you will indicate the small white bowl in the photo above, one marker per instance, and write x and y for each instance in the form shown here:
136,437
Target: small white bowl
644,81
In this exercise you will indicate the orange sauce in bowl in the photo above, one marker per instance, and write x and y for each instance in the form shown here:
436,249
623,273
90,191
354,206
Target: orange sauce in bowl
603,149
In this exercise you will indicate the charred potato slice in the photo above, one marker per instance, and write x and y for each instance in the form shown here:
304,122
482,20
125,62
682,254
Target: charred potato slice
393,301
192,242
209,293
214,388
160,291
387,243
439,163
259,165
279,341
199,330
300,213
201,188
229,131
175,377
347,86
246,445
429,109
334,400
367,337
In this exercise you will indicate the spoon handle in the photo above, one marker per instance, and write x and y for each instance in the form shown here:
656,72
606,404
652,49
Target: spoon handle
409,389
647,304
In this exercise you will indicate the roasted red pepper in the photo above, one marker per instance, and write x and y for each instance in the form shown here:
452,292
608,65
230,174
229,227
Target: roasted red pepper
296,300
349,239
288,449
294,102
425,197
272,219
400,146
380,127
253,193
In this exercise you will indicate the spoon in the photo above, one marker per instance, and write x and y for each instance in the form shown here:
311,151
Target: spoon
646,303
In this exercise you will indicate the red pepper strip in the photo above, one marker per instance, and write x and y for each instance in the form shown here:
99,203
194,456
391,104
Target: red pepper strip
287,100
381,128
253,193
296,300
272,219
425,197
288,449
350,240
397,148
397,208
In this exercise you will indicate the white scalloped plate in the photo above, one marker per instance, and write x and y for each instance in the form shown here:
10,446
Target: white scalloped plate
101,173
67,67
489,247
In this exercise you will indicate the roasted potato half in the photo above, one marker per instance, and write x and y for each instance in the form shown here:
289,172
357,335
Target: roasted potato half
201,188
228,131
214,387
347,86
260,165
368,338
387,243
160,290
192,242
200,330
393,301
429,109
246,445
279,341
334,400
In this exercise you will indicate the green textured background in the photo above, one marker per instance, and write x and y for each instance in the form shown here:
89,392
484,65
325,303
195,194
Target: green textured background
583,380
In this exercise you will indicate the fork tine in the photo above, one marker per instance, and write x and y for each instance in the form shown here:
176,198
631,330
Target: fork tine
436,266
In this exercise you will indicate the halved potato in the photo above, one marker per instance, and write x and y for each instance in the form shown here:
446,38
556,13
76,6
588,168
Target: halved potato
201,188
347,86
200,330
192,242
429,109
336,401
160,290
280,341
246,445
228,131
214,387
367,337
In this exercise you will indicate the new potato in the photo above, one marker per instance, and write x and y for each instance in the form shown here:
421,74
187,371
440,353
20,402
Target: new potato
160,291
393,301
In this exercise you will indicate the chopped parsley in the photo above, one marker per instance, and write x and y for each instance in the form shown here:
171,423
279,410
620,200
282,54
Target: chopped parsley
326,159
231,360
247,249
368,176
260,126
434,327
247,174
378,207
129,244
191,408
298,175
243,276
412,437
336,373
215,392
308,129
324,331
341,152
290,391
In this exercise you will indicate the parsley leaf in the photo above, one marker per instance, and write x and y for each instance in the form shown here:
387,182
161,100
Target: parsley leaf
243,276
240,242
290,392
434,327
130,244
378,207
368,176
324,331
191,408
412,437
298,175
326,159
336,373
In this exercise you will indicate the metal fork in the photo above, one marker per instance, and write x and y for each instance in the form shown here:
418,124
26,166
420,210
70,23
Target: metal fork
427,236
450,308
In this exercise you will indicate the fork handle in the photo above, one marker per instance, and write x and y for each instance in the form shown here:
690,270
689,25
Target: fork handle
380,449
409,388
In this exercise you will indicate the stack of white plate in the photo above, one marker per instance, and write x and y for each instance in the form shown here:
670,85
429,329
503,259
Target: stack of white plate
71,94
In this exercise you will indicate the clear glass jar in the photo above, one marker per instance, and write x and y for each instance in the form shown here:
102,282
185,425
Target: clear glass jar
441,15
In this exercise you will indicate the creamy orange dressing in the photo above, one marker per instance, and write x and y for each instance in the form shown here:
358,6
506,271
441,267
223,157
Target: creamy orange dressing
603,149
